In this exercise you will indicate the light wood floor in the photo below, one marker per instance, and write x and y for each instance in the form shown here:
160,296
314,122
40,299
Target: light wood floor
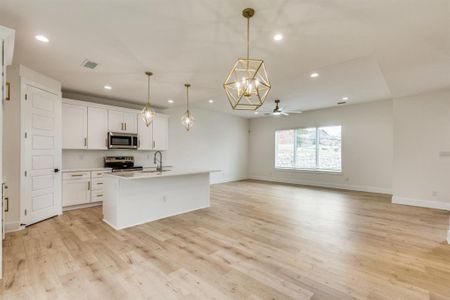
256,241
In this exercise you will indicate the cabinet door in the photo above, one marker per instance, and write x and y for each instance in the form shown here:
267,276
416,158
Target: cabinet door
115,121
74,126
97,128
131,122
161,132
145,135
76,192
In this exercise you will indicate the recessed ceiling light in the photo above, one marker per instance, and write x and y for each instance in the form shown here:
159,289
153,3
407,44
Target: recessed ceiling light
345,98
278,37
108,87
256,112
42,38
314,75
170,101
211,101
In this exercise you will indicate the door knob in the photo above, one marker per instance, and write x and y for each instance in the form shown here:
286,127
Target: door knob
56,170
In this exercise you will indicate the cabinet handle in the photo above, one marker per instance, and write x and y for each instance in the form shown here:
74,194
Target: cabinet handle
99,183
89,185
125,126
85,142
8,91
101,195
77,175
7,204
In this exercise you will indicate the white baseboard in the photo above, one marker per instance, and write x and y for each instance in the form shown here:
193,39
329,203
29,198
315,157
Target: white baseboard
369,189
13,226
228,180
82,206
421,203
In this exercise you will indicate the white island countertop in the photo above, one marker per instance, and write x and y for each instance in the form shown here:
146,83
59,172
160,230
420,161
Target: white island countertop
152,174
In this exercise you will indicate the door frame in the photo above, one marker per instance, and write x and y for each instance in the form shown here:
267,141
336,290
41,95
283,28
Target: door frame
24,83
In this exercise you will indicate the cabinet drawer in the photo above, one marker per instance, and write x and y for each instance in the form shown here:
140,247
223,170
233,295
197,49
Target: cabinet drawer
97,184
96,196
98,174
76,175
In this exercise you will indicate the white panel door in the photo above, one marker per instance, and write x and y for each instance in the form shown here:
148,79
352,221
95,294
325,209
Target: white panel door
130,121
42,195
145,135
161,132
115,121
74,126
97,128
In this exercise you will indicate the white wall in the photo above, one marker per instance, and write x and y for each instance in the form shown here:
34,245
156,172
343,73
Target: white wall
422,150
367,141
217,141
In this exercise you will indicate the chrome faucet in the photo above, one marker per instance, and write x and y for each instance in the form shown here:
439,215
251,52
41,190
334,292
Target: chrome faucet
159,167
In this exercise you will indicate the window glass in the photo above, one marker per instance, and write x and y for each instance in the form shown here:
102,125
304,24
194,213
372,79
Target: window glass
329,151
284,146
305,149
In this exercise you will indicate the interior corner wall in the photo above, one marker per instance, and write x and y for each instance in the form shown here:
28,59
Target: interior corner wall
422,150
217,141
367,147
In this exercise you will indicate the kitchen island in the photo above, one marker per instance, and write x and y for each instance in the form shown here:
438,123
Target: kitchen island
133,198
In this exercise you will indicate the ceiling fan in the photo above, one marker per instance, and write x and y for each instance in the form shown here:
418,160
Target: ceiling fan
277,111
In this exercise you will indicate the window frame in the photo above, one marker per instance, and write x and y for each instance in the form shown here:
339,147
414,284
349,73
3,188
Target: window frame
312,170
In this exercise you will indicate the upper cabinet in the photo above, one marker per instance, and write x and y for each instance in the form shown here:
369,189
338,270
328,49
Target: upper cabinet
97,128
86,126
155,136
74,128
122,121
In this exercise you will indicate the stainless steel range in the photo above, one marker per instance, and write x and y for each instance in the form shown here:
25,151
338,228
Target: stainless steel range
121,163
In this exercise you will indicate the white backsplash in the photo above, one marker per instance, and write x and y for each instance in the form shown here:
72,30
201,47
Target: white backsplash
72,159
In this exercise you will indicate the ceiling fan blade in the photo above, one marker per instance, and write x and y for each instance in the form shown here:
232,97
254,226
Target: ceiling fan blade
285,113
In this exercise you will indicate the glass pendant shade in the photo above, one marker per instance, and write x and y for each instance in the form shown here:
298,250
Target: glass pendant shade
247,85
148,114
187,120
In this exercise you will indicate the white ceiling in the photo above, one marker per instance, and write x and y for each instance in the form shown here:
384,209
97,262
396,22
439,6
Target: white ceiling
363,49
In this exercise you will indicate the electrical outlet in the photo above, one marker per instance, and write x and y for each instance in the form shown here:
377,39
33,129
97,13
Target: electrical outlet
434,193
347,179
164,198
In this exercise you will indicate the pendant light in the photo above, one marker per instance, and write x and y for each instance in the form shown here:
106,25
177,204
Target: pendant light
247,84
148,114
187,120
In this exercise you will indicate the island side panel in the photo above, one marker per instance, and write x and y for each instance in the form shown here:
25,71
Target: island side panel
110,201
149,199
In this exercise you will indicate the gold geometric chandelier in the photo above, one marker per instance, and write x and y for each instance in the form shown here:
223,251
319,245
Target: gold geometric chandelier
187,120
247,84
148,114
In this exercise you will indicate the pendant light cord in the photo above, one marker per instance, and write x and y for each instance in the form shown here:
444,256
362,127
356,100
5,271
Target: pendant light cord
148,93
248,39
187,98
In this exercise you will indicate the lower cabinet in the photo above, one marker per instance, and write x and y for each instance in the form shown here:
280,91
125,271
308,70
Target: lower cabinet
81,188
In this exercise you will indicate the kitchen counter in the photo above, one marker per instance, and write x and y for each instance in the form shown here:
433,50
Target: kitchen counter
134,198
85,170
152,174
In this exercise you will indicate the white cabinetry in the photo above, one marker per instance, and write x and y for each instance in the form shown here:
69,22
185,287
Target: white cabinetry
121,121
82,188
74,129
76,188
154,137
97,128
86,126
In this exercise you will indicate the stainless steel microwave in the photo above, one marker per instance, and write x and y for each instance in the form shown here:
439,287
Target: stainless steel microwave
119,140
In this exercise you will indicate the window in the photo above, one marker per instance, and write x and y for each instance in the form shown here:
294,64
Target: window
316,149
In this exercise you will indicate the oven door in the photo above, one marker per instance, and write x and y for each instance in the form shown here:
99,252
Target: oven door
117,140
